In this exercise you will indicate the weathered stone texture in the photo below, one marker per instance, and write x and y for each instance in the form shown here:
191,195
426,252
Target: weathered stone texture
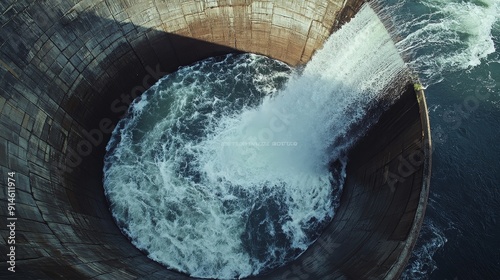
65,66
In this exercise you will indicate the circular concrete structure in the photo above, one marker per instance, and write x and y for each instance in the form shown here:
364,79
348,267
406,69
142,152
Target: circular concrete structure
69,69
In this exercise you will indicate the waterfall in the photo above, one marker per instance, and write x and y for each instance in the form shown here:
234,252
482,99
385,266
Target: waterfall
213,177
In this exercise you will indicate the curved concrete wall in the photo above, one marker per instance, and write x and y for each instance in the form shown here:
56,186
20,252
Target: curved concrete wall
68,70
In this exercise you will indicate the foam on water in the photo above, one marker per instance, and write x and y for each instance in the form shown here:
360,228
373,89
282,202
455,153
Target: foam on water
217,174
186,223
443,38
446,36
421,263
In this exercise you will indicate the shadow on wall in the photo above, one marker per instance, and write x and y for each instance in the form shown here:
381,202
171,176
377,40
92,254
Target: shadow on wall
127,71
60,99
91,90
65,81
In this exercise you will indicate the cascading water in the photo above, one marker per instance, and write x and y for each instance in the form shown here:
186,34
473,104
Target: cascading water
451,44
222,170
444,35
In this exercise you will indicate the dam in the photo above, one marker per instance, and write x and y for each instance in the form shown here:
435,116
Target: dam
69,71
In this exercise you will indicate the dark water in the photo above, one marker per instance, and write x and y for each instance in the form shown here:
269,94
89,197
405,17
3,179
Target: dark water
453,46
184,183
217,173
456,52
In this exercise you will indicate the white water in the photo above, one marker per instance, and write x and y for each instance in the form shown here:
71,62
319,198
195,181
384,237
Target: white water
333,92
446,40
446,36
187,201
422,264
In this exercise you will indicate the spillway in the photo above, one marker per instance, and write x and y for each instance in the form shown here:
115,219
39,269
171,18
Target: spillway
69,72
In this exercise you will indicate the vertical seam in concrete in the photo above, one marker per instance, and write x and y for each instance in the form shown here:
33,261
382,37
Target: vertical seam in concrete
89,55
397,268
42,215
9,69
162,23
126,39
307,38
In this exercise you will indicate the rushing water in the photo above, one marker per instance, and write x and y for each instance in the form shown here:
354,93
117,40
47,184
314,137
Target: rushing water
453,45
192,171
222,169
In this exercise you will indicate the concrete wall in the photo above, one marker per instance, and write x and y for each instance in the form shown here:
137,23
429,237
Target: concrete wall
69,68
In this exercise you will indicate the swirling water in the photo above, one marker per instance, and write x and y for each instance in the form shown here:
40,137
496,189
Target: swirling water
453,46
221,170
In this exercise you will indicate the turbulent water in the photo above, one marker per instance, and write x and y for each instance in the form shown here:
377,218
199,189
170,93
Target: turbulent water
221,170
453,45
